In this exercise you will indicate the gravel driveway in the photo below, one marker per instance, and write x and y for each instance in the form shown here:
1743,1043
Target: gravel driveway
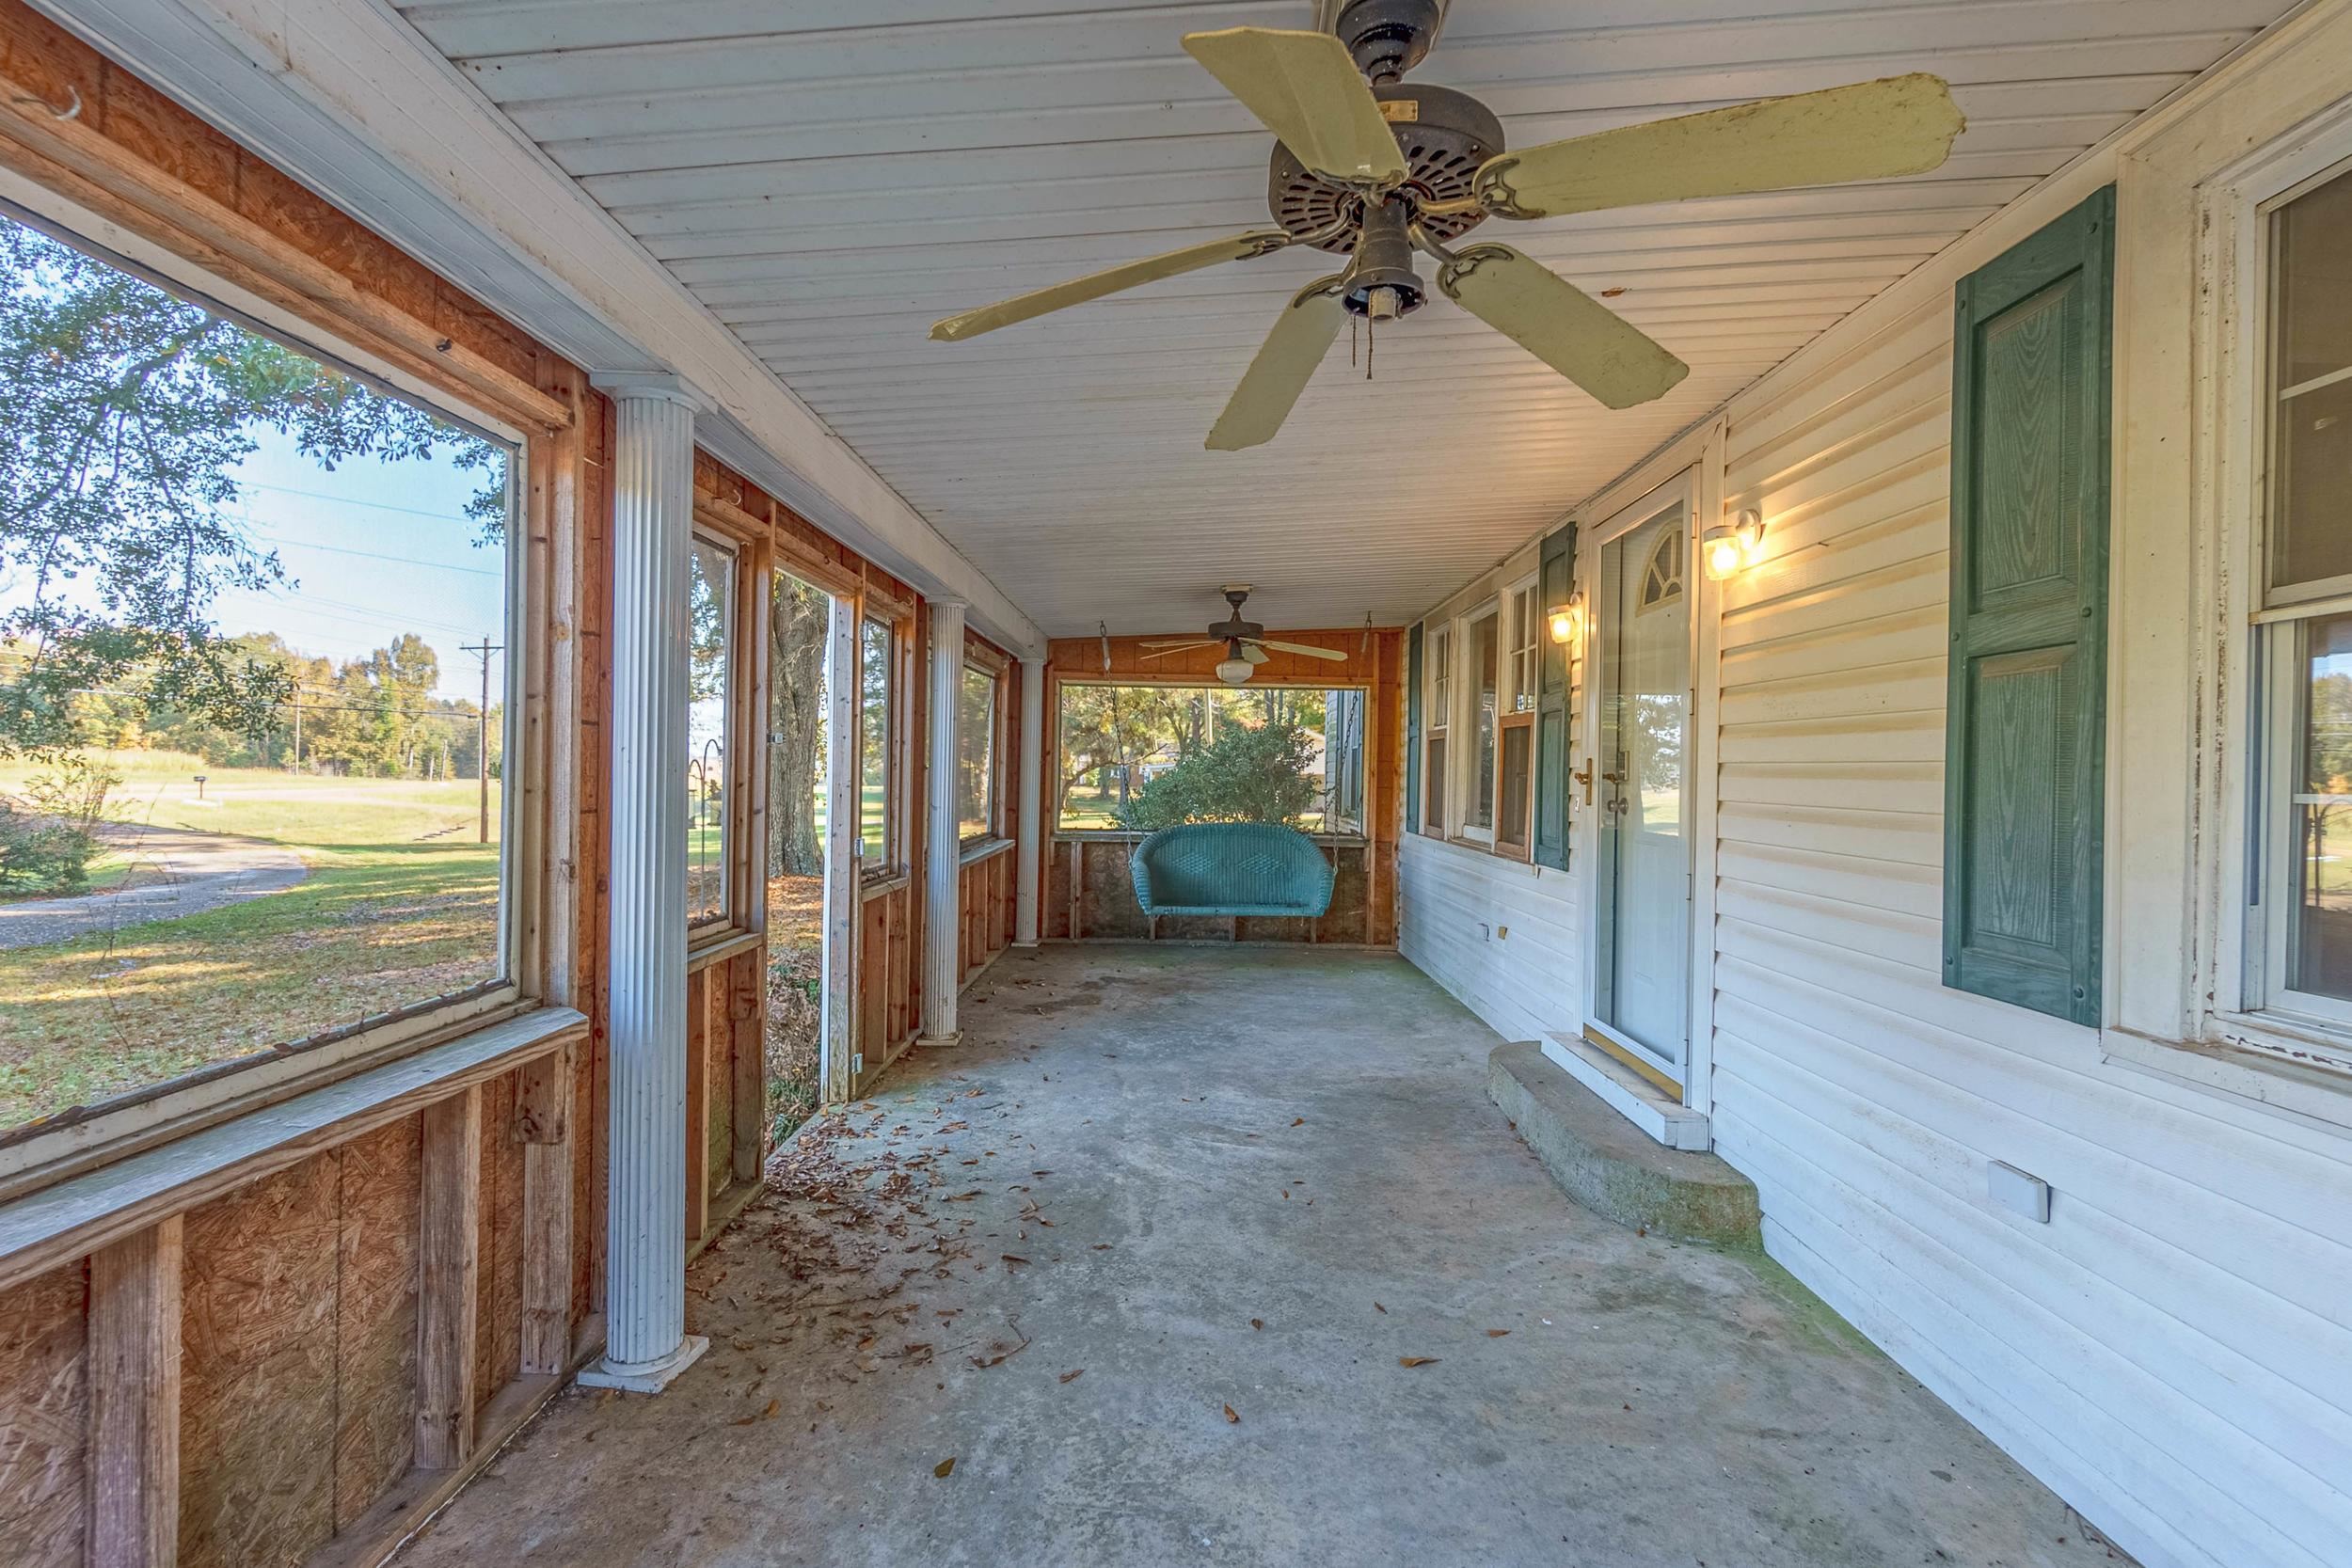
177,873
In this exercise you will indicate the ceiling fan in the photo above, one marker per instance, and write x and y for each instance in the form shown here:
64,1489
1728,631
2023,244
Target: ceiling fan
1367,168
1246,643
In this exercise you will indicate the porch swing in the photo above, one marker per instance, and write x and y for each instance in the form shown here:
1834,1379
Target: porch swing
1232,870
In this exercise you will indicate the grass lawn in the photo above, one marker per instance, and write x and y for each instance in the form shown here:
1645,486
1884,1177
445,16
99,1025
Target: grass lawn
401,906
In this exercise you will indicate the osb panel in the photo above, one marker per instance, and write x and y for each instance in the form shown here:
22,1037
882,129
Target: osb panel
44,1401
1054,896
258,1344
1109,890
1344,920
498,1346
375,1318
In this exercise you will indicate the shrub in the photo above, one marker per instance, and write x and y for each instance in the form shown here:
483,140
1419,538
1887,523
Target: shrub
1247,774
48,839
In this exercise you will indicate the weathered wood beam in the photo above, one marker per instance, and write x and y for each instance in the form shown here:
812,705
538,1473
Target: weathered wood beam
134,1400
448,1266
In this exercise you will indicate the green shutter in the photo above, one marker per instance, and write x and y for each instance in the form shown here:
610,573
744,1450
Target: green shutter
1555,580
1412,729
2026,726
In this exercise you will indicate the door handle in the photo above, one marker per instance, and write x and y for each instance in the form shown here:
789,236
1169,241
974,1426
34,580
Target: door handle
1584,776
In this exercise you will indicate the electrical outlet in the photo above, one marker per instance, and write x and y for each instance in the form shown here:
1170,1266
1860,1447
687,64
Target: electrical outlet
857,1063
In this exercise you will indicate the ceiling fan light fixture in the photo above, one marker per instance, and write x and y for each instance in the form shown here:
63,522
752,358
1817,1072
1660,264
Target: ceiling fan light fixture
1234,672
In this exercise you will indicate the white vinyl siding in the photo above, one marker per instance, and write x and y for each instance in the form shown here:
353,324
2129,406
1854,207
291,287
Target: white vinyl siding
2170,1351
1455,898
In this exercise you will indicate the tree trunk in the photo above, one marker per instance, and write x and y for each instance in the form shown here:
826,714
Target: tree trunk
797,618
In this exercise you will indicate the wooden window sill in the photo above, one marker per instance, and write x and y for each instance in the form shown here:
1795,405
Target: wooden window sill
708,947
59,1222
982,849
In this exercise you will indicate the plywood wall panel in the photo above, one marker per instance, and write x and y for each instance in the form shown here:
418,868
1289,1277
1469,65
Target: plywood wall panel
258,1342
44,1404
375,1318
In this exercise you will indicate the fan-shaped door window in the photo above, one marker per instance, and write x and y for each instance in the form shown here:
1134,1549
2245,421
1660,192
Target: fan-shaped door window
1661,575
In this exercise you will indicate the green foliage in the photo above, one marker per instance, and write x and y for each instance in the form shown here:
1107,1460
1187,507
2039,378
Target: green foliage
128,410
1247,773
48,839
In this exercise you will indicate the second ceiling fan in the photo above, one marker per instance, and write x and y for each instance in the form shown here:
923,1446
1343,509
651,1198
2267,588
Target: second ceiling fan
1370,168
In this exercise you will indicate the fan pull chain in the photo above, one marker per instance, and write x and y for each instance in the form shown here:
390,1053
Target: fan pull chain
1352,323
1371,336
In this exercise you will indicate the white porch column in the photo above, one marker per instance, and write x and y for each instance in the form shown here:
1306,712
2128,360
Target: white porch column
1032,795
943,904
653,480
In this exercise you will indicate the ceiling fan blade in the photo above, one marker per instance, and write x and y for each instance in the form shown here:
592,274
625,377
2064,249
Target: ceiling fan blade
1867,131
1284,363
1128,275
1252,652
1561,324
1171,643
1300,648
1306,91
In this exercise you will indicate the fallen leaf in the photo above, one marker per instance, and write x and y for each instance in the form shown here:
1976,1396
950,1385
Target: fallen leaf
1074,1375
769,1414
945,1468
1299,1121
1010,1259
1257,1323
1497,1333
1377,1308
1416,1360
1232,1416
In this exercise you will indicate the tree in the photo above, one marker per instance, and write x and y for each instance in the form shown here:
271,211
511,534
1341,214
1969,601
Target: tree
798,616
1113,726
129,408
1249,774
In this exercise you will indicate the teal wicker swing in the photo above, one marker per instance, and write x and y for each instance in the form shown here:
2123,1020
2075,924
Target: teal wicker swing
1230,868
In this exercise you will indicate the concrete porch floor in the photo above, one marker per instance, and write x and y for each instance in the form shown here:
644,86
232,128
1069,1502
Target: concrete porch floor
1144,1255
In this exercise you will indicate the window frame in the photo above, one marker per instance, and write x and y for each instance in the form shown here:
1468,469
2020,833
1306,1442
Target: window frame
1437,754
1466,766
2181,861
2278,663
893,861
538,742
1062,683
993,826
727,920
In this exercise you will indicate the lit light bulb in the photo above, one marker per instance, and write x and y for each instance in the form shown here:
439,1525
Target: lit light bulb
1720,552
1567,622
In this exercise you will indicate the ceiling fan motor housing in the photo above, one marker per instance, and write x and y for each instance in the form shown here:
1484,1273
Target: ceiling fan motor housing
1445,135
1388,38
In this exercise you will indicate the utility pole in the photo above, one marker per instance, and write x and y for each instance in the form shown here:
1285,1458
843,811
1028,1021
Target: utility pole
298,707
481,752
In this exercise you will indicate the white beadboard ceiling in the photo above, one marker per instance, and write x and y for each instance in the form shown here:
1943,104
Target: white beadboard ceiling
830,176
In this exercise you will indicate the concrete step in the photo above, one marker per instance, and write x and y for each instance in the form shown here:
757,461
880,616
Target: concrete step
1611,1167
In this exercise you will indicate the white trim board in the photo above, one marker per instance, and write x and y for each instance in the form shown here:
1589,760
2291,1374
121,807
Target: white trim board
347,98
1630,1095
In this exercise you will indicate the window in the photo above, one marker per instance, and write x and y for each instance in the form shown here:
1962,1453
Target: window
1486,657
710,690
1513,815
1526,628
1441,716
1133,758
977,758
878,691
254,704
2307,957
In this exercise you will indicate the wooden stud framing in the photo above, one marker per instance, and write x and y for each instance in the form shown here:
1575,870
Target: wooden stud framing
134,1462
697,1102
744,1024
543,1123
448,1267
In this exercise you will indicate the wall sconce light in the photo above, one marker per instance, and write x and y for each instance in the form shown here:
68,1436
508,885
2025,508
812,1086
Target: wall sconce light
1567,619
1724,551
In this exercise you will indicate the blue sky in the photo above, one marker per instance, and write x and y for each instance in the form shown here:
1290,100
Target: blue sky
371,549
